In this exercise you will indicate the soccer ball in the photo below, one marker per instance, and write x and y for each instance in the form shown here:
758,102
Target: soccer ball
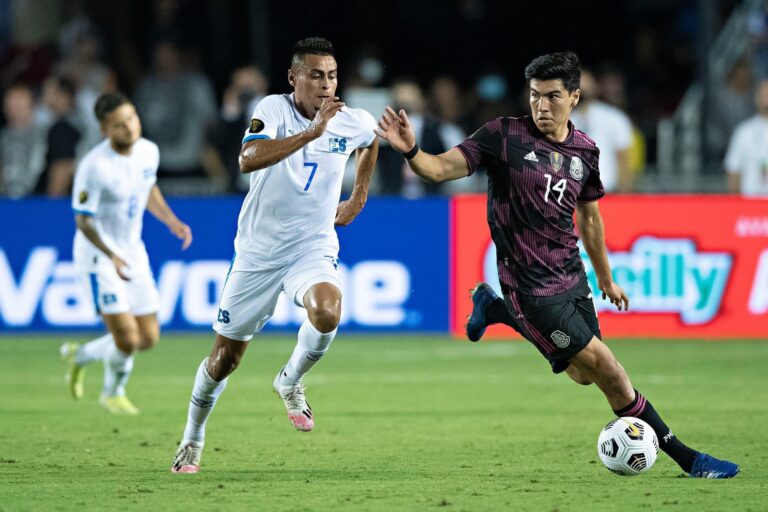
627,446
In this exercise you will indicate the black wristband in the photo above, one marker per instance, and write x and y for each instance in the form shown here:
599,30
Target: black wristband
412,152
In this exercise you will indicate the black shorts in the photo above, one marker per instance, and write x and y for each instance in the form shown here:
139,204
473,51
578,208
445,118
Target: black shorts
560,326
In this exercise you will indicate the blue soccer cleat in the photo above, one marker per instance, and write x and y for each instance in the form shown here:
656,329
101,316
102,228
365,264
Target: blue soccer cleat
706,466
482,296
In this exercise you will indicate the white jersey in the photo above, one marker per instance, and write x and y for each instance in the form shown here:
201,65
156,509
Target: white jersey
748,156
114,189
611,130
291,206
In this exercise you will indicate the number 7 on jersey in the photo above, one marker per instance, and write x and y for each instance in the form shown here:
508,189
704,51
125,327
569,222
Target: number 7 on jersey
311,174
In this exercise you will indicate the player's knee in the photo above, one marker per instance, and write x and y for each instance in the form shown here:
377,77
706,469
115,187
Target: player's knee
223,363
326,316
149,340
127,339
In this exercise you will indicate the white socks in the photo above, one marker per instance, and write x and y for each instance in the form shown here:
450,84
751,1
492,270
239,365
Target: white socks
204,396
312,345
117,369
95,350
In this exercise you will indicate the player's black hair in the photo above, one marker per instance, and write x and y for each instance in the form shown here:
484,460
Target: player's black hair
311,46
563,65
65,85
107,103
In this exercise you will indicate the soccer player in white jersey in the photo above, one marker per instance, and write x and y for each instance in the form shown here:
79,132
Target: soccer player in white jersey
295,150
114,184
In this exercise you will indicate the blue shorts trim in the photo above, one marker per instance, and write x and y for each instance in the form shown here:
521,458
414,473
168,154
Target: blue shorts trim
95,291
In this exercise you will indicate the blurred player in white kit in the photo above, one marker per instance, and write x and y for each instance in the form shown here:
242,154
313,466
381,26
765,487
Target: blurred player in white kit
114,184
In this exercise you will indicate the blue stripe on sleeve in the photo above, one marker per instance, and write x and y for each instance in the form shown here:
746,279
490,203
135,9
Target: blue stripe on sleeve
248,138
83,212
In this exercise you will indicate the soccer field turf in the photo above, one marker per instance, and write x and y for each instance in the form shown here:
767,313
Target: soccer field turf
403,423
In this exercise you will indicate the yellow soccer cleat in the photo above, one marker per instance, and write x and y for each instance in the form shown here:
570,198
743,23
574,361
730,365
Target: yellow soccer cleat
119,405
75,373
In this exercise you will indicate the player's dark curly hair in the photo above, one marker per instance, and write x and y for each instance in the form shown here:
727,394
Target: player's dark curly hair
107,103
311,46
563,65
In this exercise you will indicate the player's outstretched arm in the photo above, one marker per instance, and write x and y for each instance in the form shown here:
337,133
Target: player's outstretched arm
85,224
365,162
592,232
262,153
159,208
396,129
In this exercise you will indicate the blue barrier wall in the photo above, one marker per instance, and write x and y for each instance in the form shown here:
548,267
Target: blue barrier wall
394,264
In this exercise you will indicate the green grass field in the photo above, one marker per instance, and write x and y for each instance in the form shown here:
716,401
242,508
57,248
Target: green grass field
403,423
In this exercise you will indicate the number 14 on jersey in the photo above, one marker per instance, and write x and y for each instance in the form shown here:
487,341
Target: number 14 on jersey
560,187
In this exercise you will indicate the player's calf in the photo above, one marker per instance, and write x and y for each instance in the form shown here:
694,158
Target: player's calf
577,376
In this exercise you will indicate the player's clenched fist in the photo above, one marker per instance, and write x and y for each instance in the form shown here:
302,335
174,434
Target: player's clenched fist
329,108
396,129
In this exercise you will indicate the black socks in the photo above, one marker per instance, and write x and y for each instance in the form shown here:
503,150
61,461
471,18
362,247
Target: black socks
642,409
497,313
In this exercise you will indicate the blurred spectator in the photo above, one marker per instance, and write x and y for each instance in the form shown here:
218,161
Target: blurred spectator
92,78
362,85
611,129
613,86
63,137
177,108
247,88
613,90
446,100
362,89
490,99
432,135
22,144
757,27
746,161
732,103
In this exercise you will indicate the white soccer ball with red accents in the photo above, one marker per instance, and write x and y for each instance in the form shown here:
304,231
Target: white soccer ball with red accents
628,446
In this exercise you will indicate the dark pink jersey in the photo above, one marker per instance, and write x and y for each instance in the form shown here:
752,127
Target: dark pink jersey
534,185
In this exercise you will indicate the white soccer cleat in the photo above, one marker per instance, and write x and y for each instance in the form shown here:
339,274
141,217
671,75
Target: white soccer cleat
187,458
299,411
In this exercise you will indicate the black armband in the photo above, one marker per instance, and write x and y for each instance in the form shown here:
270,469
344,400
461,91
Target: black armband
412,152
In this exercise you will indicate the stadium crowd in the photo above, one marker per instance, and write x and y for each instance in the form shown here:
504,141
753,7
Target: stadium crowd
48,91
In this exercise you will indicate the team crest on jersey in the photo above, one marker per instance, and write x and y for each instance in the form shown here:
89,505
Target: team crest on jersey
556,161
337,145
577,169
83,197
256,126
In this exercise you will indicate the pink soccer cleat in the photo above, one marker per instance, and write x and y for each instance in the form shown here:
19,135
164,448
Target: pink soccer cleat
187,458
299,411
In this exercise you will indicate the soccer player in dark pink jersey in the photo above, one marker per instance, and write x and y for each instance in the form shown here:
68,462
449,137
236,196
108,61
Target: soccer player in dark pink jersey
541,170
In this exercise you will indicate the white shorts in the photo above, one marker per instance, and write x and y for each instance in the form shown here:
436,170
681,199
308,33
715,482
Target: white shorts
112,295
249,297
